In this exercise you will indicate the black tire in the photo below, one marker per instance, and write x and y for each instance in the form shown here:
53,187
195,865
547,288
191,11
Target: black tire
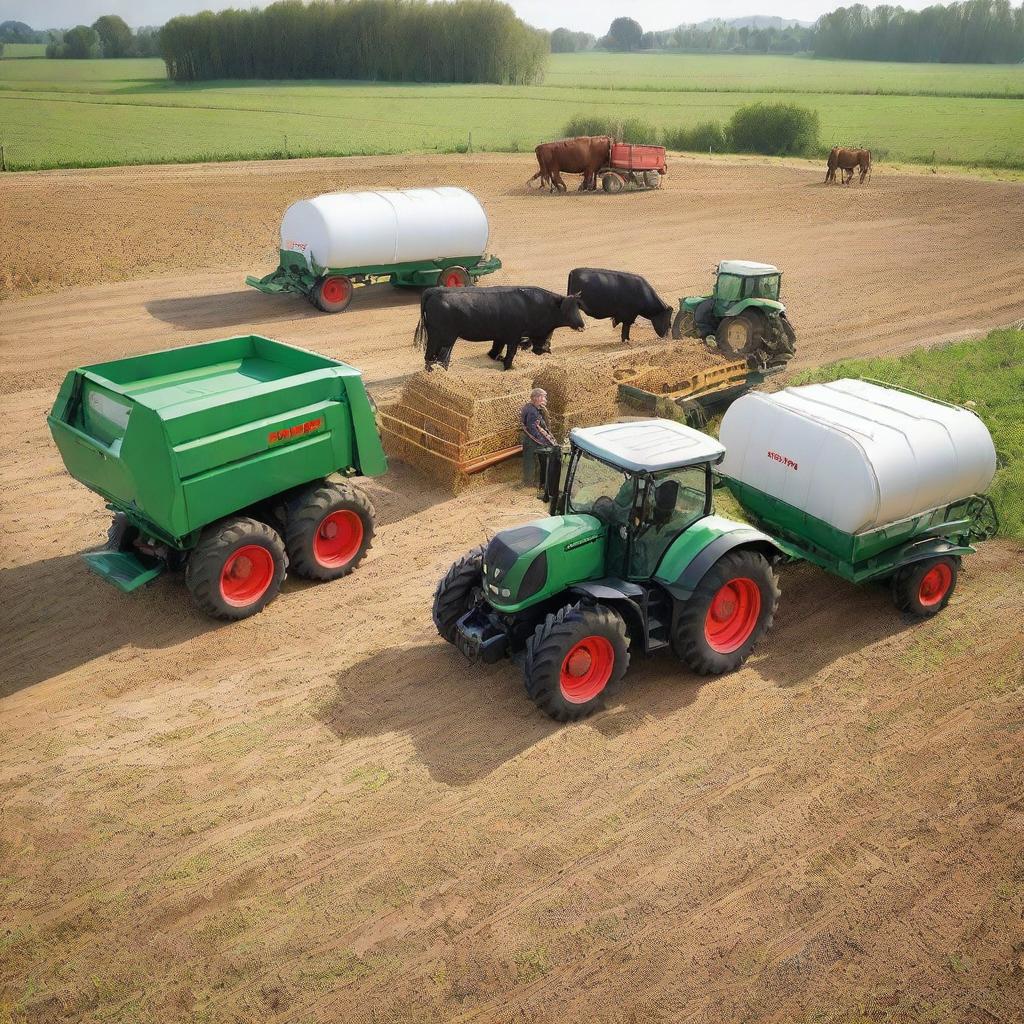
121,534
692,636
611,183
683,326
205,571
750,327
454,594
787,329
652,179
923,589
333,293
329,529
547,655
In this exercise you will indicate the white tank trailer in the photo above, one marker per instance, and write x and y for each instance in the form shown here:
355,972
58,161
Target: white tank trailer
865,480
341,241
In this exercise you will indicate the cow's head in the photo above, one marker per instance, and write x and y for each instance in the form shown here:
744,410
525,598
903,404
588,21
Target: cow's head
661,322
570,312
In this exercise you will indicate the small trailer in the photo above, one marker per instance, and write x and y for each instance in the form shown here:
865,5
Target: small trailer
336,243
230,460
637,167
868,482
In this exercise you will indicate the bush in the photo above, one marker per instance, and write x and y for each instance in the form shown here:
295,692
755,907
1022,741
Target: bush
776,129
631,129
708,135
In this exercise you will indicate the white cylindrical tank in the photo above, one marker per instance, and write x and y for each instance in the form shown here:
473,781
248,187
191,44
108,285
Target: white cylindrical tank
359,229
856,455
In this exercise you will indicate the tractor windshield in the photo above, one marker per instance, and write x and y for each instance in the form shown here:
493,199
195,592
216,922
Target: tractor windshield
671,502
766,287
601,490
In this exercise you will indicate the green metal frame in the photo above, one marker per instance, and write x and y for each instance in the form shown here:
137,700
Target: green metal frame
873,554
297,275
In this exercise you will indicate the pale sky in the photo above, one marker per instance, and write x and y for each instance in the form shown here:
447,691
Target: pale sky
587,15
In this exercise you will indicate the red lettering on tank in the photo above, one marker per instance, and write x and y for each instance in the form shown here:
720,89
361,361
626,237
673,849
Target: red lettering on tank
286,433
784,459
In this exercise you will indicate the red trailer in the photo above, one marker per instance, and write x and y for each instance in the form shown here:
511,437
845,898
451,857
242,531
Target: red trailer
639,166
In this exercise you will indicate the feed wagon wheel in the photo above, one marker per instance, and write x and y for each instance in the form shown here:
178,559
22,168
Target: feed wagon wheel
612,183
333,293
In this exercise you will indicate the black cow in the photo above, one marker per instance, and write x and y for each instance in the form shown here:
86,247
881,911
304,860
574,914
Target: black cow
620,297
505,316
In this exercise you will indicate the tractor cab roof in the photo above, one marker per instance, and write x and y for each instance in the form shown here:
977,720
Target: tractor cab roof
746,268
648,445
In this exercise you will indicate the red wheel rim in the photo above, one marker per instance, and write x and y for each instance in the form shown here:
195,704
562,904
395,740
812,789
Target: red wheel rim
586,669
246,575
935,585
338,538
336,289
453,279
732,615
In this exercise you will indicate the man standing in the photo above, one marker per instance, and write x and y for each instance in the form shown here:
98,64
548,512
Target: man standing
538,441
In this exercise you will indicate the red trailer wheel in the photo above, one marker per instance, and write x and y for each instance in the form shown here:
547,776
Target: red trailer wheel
333,294
454,277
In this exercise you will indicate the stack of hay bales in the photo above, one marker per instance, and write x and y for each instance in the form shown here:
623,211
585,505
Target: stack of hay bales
579,394
444,420
661,371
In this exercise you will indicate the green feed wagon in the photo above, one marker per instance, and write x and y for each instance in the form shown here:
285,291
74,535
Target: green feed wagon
867,482
335,243
228,459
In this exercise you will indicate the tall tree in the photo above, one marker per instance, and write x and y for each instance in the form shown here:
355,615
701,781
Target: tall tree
624,34
115,35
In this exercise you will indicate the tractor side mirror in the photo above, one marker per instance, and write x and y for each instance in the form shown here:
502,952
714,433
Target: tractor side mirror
666,494
553,480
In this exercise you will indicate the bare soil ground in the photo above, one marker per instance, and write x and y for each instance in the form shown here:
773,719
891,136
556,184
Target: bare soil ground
322,814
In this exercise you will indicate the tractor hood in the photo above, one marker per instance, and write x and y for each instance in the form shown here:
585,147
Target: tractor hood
527,564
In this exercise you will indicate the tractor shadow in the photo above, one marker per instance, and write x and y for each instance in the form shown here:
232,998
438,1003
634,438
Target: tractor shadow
466,721
821,620
248,307
59,616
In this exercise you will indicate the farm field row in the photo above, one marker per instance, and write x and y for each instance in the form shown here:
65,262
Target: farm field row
68,113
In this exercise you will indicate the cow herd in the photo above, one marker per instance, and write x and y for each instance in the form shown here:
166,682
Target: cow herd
521,316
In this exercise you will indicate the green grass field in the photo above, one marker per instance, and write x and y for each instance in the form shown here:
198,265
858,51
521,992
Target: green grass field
988,372
83,113
21,51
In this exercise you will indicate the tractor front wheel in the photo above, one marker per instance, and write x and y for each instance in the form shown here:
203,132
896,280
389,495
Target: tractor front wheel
573,659
454,594
742,335
731,609
236,569
329,530
923,589
684,326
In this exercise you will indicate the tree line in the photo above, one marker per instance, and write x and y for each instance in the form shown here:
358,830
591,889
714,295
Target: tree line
108,36
975,31
366,40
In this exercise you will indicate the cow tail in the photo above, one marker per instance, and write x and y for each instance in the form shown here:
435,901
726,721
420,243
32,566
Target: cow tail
421,330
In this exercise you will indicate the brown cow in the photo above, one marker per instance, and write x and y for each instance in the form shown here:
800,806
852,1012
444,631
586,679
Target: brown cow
847,160
585,155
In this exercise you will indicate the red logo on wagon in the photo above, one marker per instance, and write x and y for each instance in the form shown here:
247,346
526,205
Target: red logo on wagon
784,459
287,433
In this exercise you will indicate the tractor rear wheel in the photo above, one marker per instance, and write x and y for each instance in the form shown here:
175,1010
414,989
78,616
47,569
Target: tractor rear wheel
329,529
454,277
731,609
573,659
612,183
742,335
684,326
236,569
454,595
923,589
333,294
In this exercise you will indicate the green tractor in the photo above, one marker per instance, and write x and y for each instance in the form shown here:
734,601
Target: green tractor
632,558
743,316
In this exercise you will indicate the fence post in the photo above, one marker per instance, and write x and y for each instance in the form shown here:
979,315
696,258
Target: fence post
469,145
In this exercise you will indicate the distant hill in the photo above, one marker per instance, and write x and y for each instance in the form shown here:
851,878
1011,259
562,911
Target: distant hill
755,21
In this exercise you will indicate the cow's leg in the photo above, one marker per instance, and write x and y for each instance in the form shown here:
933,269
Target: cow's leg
626,325
510,354
438,344
494,352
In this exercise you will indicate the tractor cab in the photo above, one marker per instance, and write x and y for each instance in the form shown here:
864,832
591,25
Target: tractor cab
646,481
736,280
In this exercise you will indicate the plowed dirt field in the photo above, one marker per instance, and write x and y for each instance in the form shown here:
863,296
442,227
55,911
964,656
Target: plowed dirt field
323,814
